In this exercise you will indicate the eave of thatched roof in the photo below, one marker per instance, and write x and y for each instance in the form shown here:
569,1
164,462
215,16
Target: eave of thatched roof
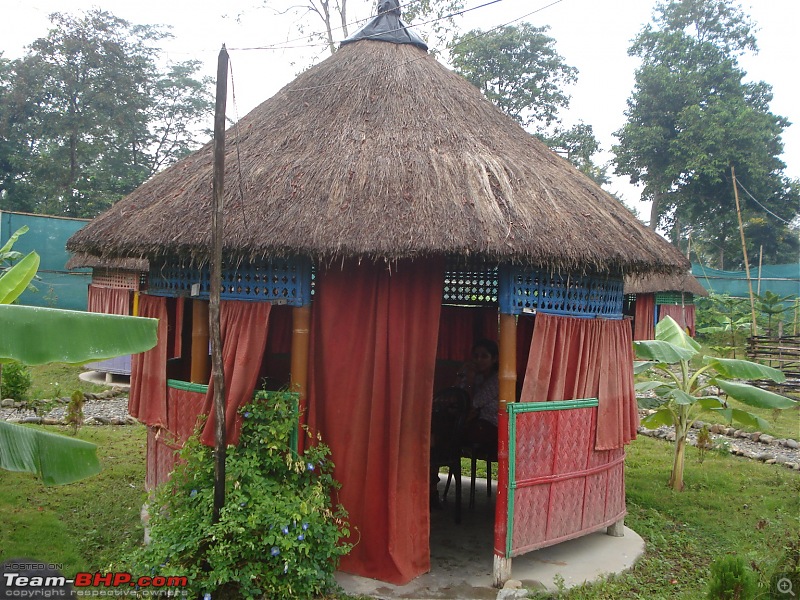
83,260
654,283
381,152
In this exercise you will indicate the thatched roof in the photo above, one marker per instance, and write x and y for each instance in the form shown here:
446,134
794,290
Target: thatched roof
653,283
381,152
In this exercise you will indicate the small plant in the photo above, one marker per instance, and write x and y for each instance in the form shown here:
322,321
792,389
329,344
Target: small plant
74,412
278,536
15,381
681,393
731,580
704,443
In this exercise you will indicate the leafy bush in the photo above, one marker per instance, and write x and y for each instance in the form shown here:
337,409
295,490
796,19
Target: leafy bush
278,535
15,381
731,580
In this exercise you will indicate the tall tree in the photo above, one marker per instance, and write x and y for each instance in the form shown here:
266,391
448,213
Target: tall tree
691,117
95,115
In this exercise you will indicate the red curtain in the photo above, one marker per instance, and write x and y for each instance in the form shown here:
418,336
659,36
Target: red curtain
645,317
243,327
573,358
147,400
461,326
683,315
373,351
111,301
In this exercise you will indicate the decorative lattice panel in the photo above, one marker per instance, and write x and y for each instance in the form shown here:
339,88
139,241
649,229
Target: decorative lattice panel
470,286
528,291
276,280
674,298
117,278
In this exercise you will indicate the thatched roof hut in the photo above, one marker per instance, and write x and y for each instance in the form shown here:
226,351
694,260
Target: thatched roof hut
380,151
653,283
652,297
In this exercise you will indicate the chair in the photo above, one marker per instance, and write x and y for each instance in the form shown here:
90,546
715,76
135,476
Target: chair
476,452
449,414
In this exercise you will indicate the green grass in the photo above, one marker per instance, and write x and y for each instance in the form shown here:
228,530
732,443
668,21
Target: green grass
58,380
84,525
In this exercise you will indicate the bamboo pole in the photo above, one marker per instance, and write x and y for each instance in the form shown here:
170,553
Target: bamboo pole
199,372
760,260
507,393
301,318
216,283
753,327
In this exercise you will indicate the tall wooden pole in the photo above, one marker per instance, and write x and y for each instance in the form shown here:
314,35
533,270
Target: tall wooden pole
501,570
753,328
760,261
301,320
215,285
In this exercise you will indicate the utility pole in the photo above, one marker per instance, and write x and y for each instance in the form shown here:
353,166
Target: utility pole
220,442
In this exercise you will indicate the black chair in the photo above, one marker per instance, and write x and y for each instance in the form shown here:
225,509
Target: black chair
476,452
449,414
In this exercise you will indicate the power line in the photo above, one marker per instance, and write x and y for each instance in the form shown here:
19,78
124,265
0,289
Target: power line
761,205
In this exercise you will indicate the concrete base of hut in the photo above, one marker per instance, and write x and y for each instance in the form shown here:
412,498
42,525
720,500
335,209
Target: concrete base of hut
462,555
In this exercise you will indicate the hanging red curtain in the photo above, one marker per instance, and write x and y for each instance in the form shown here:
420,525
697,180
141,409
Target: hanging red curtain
373,351
147,400
683,315
243,327
111,301
573,358
645,317
461,326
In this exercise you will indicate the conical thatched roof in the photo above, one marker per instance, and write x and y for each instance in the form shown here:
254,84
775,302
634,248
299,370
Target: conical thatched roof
380,151
654,283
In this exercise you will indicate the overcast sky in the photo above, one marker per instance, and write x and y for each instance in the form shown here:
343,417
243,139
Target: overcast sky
592,35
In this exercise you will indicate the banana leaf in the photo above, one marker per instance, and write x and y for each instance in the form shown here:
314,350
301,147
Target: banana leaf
744,369
657,419
33,335
662,351
668,330
57,459
752,395
6,251
16,279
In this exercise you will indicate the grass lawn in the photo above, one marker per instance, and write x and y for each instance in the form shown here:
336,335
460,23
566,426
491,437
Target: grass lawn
730,505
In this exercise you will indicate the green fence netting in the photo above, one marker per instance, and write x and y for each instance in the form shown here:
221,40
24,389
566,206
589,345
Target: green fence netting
783,280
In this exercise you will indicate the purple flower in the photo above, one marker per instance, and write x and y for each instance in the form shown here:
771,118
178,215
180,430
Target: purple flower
242,504
275,551
193,493
247,415
206,596
301,537
310,466
305,526
285,567
285,530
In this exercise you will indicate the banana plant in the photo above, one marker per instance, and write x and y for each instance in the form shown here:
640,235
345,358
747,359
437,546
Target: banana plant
681,393
34,336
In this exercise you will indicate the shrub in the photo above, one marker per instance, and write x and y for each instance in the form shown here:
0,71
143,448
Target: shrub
15,381
731,580
278,535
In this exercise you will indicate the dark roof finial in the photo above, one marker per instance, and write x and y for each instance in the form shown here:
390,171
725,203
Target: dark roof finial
387,27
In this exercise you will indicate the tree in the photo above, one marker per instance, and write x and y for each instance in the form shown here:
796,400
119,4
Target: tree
692,117
681,393
91,116
517,69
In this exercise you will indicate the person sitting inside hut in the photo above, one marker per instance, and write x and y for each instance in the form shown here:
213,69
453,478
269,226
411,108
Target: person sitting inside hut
465,416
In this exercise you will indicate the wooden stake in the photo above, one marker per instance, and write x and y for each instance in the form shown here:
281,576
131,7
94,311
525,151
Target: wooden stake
216,284
760,259
753,328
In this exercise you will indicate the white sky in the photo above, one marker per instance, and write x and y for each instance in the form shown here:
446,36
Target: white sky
592,35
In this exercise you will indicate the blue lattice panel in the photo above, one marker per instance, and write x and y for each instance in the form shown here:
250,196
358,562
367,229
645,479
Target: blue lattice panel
523,290
277,280
560,487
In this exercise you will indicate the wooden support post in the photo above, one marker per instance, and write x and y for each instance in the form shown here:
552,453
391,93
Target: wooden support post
215,285
199,367
501,571
301,319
